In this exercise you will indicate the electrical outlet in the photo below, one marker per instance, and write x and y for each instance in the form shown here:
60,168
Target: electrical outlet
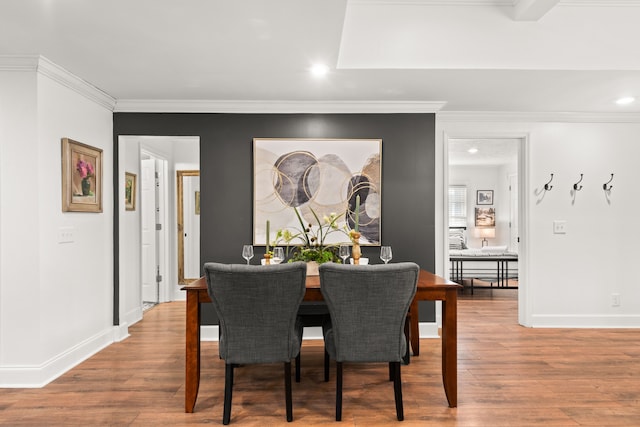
615,300
559,227
65,235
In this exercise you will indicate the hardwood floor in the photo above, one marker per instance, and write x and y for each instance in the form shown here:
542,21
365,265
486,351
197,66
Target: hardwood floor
508,376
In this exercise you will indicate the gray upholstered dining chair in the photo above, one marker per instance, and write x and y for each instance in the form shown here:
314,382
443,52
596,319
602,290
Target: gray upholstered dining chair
368,305
257,308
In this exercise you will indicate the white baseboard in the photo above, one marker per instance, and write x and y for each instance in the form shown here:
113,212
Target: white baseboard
132,316
429,330
41,375
120,332
585,321
210,332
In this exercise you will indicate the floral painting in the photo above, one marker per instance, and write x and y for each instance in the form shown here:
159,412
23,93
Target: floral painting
81,177
320,178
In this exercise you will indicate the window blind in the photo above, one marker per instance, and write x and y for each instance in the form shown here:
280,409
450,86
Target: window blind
457,206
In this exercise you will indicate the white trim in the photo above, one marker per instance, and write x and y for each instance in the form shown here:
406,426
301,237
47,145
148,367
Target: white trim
42,65
133,316
276,106
525,293
500,3
40,375
586,321
427,330
121,332
209,333
312,333
534,117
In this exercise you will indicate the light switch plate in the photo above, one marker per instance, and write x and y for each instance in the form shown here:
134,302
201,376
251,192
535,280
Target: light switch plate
65,234
559,227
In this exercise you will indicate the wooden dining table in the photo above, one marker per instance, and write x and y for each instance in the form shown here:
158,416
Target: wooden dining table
430,288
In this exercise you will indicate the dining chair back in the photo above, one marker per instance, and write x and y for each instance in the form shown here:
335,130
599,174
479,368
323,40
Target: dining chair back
257,309
368,305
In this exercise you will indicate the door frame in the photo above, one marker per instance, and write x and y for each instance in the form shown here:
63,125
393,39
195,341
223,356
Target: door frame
524,292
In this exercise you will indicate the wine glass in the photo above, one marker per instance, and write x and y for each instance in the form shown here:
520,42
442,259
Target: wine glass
247,252
344,253
278,255
385,254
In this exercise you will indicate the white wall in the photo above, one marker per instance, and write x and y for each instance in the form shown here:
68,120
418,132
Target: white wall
55,298
20,164
568,279
484,178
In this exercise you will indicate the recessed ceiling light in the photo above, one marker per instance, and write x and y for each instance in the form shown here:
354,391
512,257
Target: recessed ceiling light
319,70
472,150
625,101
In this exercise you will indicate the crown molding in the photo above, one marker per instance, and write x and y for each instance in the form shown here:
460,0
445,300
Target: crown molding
505,3
42,65
274,107
73,82
19,63
559,117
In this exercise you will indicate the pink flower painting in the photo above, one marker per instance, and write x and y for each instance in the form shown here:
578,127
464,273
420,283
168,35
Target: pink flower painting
85,169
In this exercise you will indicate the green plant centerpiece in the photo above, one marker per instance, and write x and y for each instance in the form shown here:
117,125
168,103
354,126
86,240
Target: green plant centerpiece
312,237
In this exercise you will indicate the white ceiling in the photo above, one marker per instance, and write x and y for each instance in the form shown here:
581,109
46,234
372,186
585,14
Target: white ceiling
488,152
461,55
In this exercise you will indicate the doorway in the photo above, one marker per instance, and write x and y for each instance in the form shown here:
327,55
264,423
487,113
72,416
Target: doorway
146,235
487,218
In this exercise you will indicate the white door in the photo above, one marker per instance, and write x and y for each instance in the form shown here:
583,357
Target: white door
162,252
148,230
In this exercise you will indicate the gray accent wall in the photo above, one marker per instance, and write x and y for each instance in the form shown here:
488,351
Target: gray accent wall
226,175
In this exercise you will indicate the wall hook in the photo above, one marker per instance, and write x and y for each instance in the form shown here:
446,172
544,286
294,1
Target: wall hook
548,187
608,188
575,186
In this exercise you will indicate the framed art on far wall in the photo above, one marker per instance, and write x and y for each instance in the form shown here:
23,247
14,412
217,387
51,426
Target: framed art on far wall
130,191
484,197
485,217
320,178
81,177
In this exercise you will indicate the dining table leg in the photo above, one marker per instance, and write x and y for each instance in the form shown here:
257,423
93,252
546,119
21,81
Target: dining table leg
450,348
192,356
415,328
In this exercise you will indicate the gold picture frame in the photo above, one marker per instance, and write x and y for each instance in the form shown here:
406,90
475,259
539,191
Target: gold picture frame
81,177
130,191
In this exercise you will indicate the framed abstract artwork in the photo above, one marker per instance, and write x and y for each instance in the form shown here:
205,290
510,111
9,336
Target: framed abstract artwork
81,177
130,191
320,178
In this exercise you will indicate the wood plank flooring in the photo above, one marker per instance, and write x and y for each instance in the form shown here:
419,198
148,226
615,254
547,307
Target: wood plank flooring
508,376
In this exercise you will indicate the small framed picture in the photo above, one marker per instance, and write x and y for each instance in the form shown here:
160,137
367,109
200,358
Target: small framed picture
485,197
130,191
